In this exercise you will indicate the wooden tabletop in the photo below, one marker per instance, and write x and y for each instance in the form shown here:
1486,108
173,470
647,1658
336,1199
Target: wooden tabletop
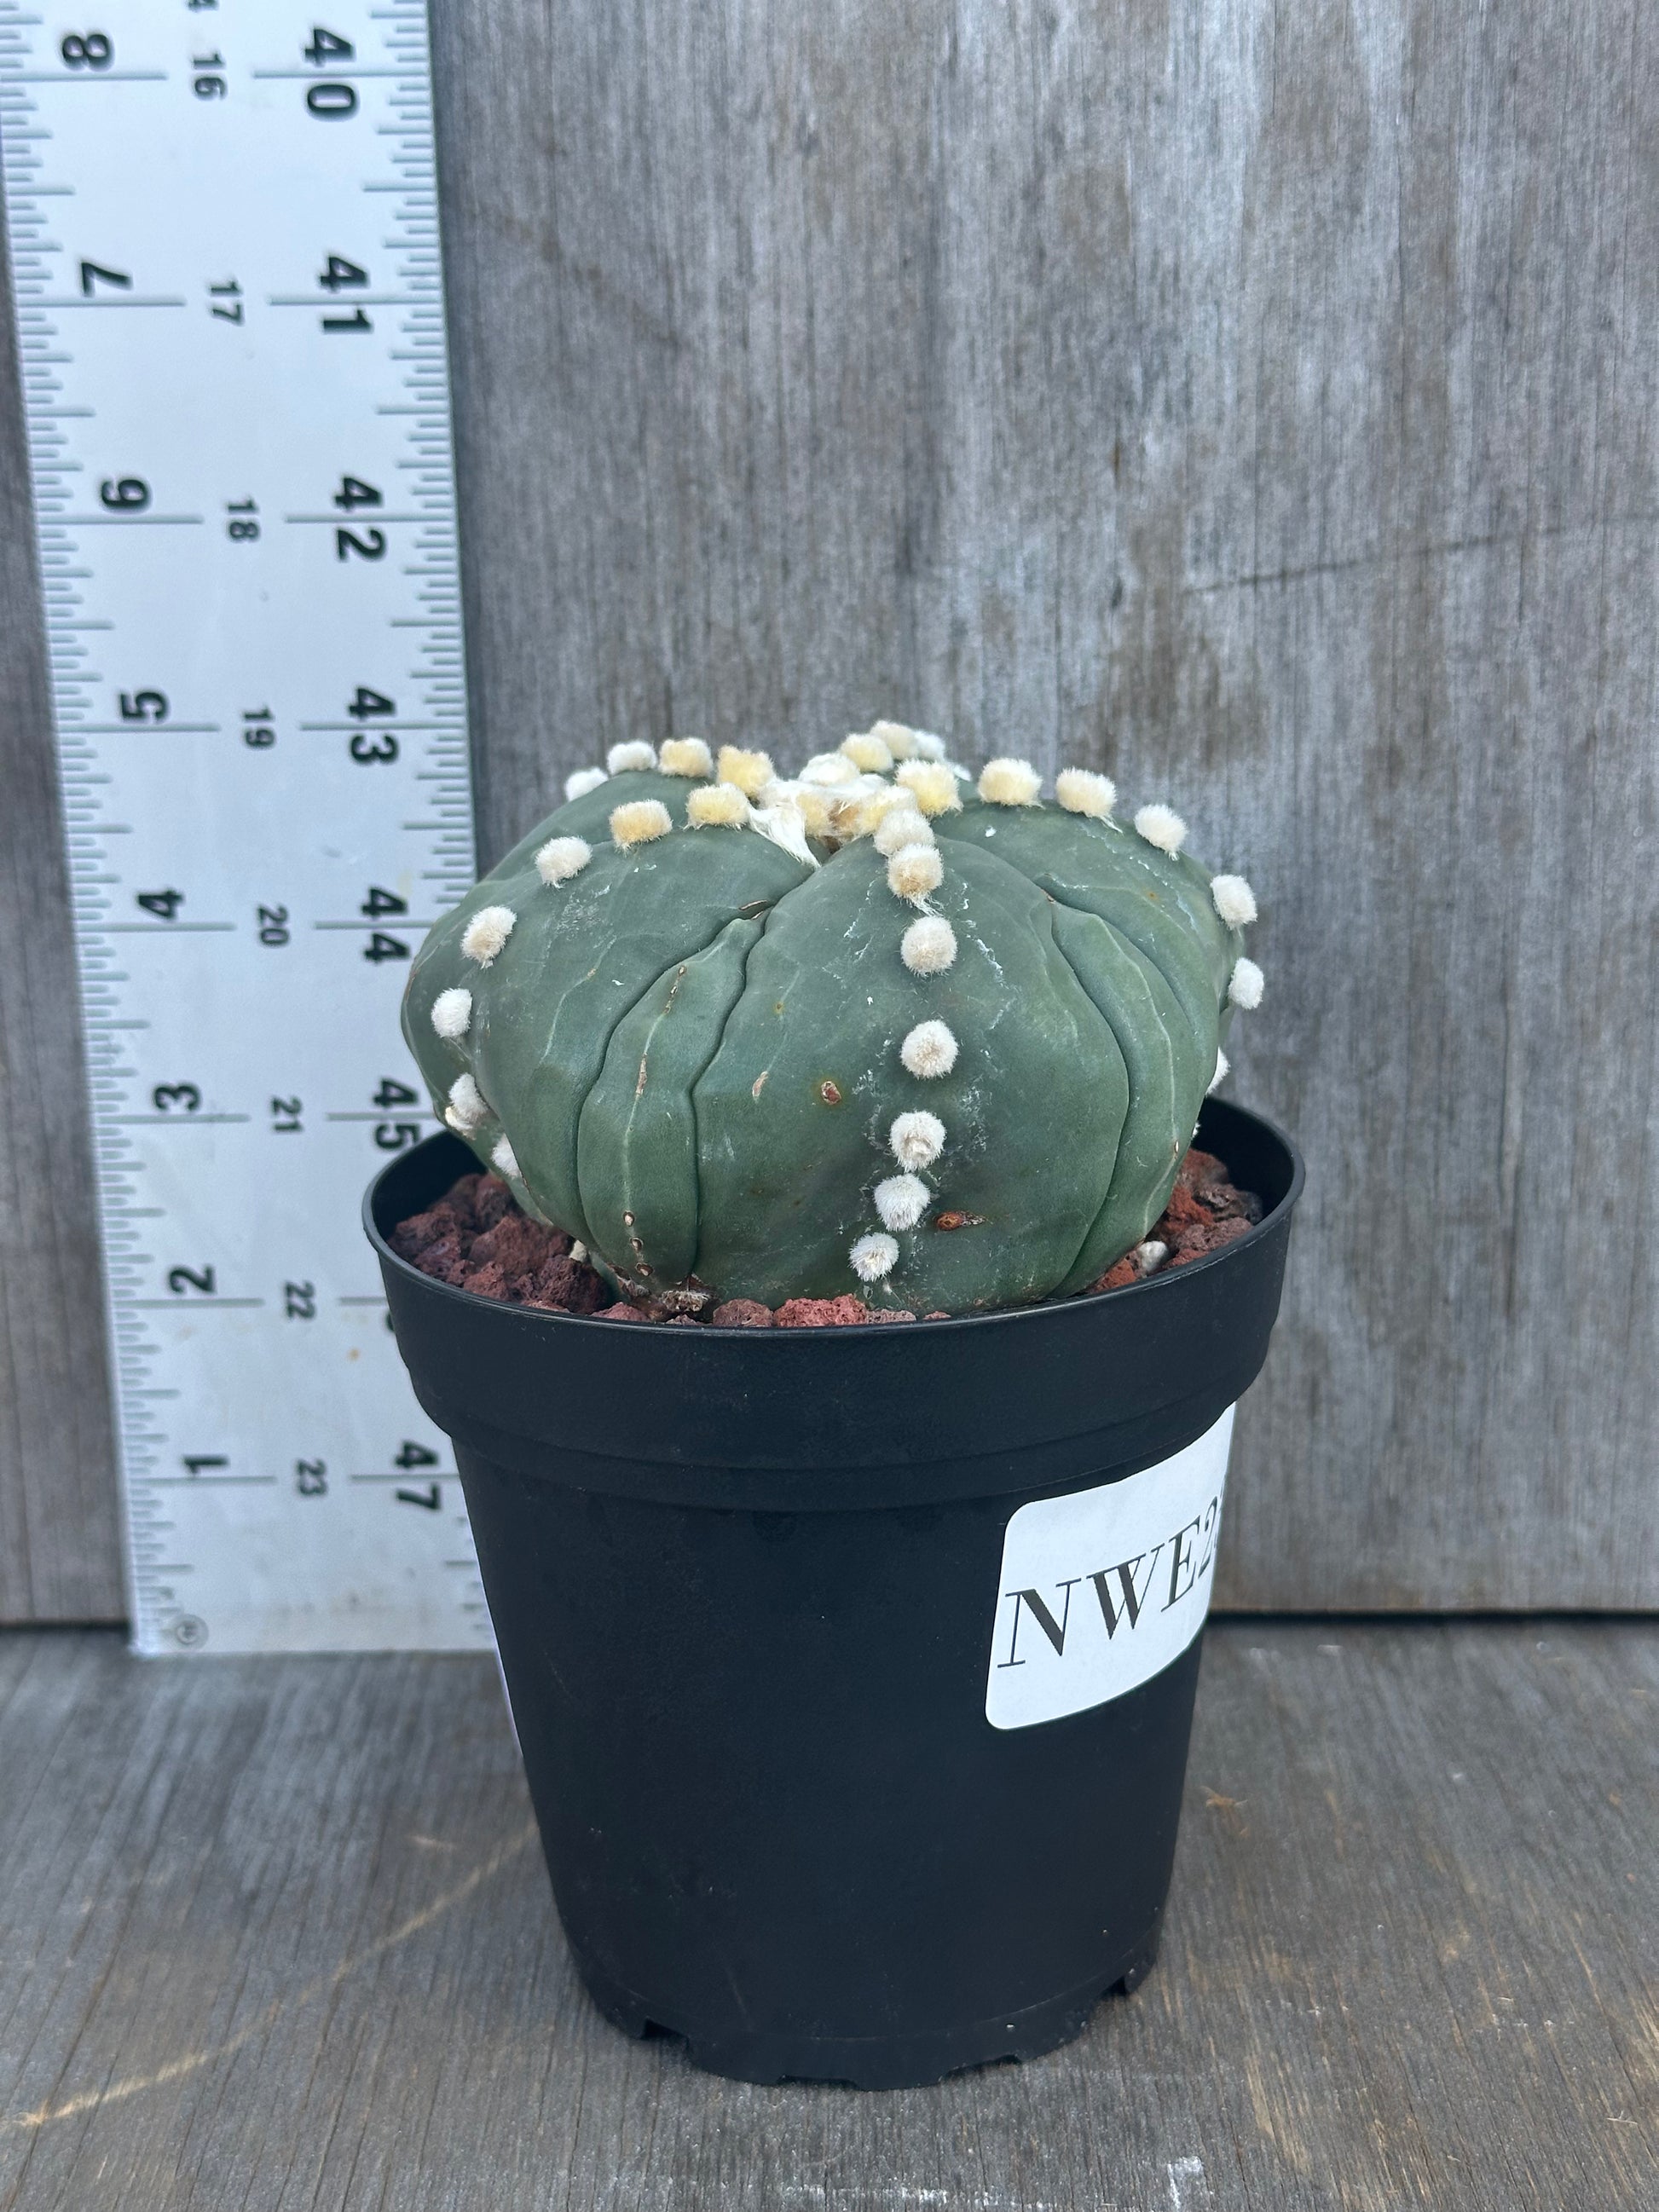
275,1937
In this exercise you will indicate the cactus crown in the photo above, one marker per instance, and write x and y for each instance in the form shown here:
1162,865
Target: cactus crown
875,1026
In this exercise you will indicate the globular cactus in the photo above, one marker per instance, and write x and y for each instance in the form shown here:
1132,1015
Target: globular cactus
873,1027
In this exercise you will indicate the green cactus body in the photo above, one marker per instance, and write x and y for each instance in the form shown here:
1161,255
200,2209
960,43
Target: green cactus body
711,1050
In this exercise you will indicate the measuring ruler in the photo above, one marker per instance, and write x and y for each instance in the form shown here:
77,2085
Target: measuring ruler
224,239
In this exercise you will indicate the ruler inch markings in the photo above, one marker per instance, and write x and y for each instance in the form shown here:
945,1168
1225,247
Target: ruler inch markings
243,1004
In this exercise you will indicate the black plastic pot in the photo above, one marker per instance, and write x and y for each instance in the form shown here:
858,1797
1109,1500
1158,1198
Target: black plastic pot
748,1590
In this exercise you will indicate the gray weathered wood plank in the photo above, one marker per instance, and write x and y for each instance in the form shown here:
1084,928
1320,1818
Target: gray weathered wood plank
276,1935
1258,401
59,1533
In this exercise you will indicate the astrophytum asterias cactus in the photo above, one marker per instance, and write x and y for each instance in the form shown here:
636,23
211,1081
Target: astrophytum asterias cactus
874,1027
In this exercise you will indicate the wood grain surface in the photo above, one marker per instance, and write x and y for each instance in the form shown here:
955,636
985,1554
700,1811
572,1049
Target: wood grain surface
275,1936
1258,401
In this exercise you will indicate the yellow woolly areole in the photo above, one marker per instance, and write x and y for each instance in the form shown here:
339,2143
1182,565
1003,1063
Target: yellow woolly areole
932,785
635,754
1080,791
816,810
638,821
913,871
684,756
928,947
1233,899
900,826
854,814
898,738
721,806
452,1013
560,858
1162,827
868,753
1009,783
487,933
581,780
749,771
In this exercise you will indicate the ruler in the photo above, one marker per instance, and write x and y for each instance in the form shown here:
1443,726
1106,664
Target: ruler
224,242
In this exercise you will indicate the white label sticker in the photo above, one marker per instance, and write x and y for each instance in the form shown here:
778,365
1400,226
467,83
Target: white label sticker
1103,1588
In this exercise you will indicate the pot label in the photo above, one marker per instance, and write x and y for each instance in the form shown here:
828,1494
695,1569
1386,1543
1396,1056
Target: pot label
1103,1588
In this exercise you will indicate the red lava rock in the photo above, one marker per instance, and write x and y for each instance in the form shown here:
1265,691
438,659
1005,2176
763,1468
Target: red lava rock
492,1201
844,1312
476,1237
742,1313
1198,1244
522,1246
564,1285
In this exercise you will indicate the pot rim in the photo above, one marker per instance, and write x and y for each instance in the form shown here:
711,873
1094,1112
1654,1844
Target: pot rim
1164,1280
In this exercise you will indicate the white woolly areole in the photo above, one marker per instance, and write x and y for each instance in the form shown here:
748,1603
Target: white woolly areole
1150,1255
913,871
749,771
898,738
1080,791
635,753
931,784
873,1257
900,826
901,1200
467,1106
926,745
452,1013
928,947
930,1050
917,1139
560,858
721,806
868,751
1222,1069
684,756
581,780
503,1158
1245,988
783,824
1234,901
1162,827
638,820
827,769
487,933
1009,783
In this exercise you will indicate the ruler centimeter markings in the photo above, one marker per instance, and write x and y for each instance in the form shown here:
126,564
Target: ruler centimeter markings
224,240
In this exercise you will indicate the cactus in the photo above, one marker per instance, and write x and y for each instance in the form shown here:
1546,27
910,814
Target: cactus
871,1028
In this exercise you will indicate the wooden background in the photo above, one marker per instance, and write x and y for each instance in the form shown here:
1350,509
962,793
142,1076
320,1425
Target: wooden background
1256,400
